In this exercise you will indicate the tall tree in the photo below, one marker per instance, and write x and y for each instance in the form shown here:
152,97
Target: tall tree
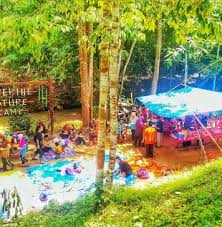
113,79
157,57
86,59
84,71
123,74
104,76
186,18
215,75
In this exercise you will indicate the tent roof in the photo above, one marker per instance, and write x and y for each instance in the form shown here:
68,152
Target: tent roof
182,102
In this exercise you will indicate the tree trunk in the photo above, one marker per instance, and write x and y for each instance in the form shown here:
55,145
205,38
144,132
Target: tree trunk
125,67
157,58
114,79
91,69
83,59
120,58
185,69
104,75
215,76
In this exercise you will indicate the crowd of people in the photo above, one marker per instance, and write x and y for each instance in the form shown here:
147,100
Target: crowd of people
147,130
46,147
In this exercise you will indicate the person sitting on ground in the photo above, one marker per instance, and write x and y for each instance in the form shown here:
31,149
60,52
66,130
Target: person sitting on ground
80,139
58,149
4,153
67,147
65,132
47,147
92,131
124,168
72,134
23,146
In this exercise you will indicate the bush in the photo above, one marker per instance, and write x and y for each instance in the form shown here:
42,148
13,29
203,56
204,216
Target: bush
76,124
22,122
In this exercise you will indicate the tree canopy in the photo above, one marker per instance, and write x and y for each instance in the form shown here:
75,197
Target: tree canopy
40,36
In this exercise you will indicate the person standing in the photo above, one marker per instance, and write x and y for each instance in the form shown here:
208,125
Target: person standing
39,142
23,146
4,153
149,137
160,131
132,121
139,131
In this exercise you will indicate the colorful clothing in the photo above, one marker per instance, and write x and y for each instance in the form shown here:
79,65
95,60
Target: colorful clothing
4,152
149,135
119,129
58,150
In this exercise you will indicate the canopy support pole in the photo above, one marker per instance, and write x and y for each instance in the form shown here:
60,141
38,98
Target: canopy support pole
201,144
213,139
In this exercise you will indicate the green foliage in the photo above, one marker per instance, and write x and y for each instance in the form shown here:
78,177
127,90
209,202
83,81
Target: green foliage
69,214
39,34
193,200
39,37
21,122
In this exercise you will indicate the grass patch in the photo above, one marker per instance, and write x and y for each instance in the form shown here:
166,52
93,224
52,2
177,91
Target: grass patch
195,200
68,214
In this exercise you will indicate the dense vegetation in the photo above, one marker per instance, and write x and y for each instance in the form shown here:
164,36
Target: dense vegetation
193,200
129,46
40,38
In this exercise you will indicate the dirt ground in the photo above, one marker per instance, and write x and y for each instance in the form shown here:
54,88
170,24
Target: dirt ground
168,154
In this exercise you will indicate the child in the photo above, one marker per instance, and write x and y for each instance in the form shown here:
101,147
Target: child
23,148
119,134
58,149
80,140
121,131
67,148
92,132
14,144
47,147
4,152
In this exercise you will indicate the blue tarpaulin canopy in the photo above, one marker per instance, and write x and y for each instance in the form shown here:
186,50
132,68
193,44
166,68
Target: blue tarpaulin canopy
182,102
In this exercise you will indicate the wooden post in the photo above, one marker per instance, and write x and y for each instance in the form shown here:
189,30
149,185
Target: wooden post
51,112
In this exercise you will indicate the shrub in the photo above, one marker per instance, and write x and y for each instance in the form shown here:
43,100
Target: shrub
22,122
